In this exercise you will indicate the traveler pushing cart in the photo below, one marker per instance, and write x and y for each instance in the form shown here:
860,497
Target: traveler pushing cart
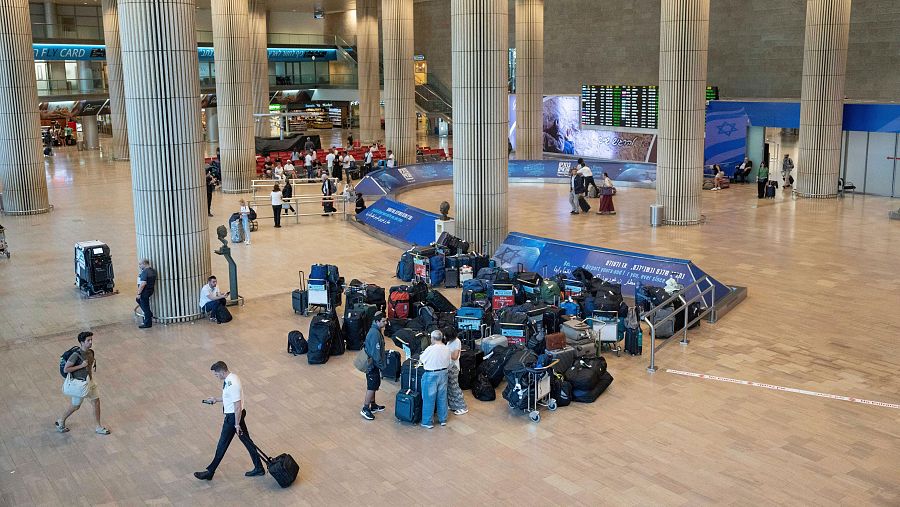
4,247
538,395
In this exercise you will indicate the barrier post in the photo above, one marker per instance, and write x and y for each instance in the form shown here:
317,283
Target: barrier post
652,368
684,338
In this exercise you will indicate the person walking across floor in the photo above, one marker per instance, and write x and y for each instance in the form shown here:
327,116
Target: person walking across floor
588,175
286,193
374,347
245,220
762,178
276,204
146,286
211,183
235,408
787,165
328,190
79,369
607,191
436,360
576,190
456,401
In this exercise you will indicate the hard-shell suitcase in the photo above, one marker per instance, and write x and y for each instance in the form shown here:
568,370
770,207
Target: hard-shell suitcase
237,232
565,358
575,330
408,403
451,278
488,343
633,339
354,329
300,297
392,366
283,468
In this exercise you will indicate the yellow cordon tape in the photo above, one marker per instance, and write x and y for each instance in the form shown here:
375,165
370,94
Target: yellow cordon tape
784,389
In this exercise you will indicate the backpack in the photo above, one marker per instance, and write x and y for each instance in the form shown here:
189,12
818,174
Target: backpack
252,214
296,343
64,358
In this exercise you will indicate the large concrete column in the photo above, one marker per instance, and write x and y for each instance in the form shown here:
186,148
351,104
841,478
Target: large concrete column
529,79
85,76
162,96
116,85
479,49
21,164
399,80
259,65
367,55
822,98
90,132
58,81
683,43
234,98
50,18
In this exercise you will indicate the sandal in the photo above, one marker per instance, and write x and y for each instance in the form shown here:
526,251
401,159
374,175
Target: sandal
102,431
59,427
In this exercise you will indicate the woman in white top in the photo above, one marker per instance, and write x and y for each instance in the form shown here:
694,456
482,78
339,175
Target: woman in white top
276,204
245,221
455,397
606,197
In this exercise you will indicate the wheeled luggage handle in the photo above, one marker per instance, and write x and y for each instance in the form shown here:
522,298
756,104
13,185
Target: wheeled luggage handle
302,280
262,455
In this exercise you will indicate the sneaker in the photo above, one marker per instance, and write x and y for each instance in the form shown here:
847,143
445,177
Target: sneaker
461,411
427,426
611,213
374,407
367,414
247,242
101,430
444,423
715,188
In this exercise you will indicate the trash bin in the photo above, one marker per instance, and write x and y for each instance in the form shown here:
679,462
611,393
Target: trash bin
656,215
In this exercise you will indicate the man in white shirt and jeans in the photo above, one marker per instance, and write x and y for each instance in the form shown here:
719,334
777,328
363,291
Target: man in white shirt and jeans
436,360
233,404
329,161
210,298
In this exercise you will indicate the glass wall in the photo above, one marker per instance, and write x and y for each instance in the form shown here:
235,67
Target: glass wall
71,22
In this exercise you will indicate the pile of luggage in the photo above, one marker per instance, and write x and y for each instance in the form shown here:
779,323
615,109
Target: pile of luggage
445,262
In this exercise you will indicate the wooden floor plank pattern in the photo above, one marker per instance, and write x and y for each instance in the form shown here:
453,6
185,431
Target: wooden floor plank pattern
821,316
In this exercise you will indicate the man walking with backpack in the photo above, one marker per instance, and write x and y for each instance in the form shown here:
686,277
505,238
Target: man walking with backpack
77,365
374,348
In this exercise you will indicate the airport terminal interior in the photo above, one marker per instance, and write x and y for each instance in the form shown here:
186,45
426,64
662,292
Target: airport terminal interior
785,394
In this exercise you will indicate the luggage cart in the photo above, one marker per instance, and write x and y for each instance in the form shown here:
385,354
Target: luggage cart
318,294
4,247
605,327
538,391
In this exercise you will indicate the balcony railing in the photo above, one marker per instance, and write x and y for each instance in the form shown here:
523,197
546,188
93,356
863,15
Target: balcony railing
51,87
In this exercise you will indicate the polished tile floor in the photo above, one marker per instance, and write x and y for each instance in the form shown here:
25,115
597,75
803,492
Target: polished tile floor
821,316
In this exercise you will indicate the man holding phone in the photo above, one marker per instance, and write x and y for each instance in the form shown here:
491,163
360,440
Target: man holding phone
210,297
233,405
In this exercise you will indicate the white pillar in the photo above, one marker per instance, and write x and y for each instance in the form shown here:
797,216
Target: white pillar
683,43
480,49
529,79
367,52
85,76
260,66
822,98
399,80
162,96
58,81
234,100
50,18
90,132
212,125
21,163
116,84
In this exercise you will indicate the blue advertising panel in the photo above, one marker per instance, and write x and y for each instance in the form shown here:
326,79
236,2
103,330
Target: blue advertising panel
57,52
69,51
400,221
390,181
628,268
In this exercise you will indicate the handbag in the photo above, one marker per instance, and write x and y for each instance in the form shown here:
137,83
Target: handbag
607,190
74,387
361,361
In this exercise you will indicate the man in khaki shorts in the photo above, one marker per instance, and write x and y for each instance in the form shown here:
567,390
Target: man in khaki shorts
80,365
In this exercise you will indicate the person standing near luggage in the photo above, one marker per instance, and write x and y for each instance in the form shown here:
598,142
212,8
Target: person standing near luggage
436,360
286,193
576,189
762,177
276,204
588,175
606,197
146,286
245,220
374,347
80,365
787,165
233,405
456,401
328,190
211,183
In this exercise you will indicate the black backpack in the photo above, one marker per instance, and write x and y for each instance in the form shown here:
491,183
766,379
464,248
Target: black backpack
483,389
64,358
296,343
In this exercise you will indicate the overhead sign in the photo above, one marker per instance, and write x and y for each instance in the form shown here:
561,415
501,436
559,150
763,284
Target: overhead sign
69,52
57,52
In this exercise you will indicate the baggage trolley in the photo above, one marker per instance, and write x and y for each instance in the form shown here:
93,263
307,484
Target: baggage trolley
539,391
4,247
318,293
605,327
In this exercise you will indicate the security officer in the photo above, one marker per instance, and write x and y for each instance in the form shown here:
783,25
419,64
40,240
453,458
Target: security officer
233,404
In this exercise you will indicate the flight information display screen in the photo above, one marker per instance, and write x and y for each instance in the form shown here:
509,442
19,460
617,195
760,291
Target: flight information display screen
712,93
619,106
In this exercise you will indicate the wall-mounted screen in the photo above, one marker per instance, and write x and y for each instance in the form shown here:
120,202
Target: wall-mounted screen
619,106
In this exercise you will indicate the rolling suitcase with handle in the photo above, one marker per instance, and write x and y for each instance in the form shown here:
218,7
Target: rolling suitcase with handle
300,297
283,468
408,403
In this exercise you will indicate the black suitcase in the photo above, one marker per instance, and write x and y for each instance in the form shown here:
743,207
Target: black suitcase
408,403
300,297
633,343
321,334
451,278
469,360
585,207
354,330
411,380
439,302
283,468
392,366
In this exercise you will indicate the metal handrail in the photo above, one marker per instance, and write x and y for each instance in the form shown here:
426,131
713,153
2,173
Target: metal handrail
686,303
